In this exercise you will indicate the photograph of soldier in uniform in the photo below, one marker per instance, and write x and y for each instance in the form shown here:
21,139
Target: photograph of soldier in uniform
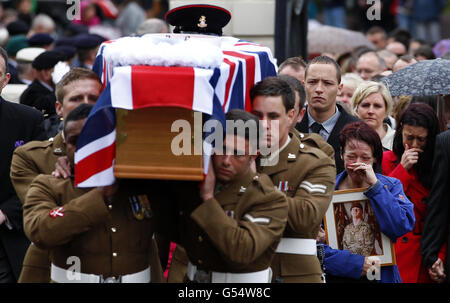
357,228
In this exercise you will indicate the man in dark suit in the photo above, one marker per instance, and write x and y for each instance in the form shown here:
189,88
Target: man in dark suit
323,116
40,94
18,125
437,220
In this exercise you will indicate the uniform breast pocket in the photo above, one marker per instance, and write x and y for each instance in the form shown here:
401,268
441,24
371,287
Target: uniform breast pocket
138,232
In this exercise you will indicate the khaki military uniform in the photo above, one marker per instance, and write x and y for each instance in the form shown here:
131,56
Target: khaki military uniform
30,160
359,239
307,176
110,240
178,265
237,231
315,140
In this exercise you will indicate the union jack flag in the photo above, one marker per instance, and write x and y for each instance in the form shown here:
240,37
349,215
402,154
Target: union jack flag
211,91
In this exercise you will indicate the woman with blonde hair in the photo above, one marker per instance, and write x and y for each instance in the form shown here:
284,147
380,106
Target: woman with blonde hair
372,103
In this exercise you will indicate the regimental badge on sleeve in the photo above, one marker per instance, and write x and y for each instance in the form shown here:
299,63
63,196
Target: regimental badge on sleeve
140,206
57,212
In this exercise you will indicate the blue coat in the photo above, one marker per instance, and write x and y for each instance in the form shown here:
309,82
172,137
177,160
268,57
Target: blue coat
395,216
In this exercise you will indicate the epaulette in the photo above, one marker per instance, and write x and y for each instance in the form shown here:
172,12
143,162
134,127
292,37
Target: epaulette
36,144
315,140
263,182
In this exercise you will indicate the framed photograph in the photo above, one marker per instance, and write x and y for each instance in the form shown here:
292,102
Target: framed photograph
351,224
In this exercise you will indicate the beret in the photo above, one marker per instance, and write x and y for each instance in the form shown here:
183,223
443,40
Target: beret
40,39
64,41
15,44
17,27
67,50
198,18
87,41
356,204
47,60
28,54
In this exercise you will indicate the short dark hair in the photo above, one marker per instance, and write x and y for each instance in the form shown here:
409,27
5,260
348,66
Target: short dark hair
425,51
360,131
296,85
295,62
274,86
419,114
4,54
235,115
407,58
402,35
325,60
80,112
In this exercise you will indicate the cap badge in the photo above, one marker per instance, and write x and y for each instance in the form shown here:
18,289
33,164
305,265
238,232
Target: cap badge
202,21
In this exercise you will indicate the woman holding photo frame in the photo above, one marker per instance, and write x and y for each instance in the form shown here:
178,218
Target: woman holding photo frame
362,153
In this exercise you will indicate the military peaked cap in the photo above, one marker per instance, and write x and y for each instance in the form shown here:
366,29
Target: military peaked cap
198,18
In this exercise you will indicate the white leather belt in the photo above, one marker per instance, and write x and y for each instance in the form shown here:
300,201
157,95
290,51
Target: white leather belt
297,246
263,276
61,275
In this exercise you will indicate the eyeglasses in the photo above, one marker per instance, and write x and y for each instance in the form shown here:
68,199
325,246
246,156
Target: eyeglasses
354,158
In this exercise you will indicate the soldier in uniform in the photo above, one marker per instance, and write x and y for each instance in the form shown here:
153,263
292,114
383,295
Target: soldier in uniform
358,236
303,172
231,229
78,86
39,157
200,19
94,235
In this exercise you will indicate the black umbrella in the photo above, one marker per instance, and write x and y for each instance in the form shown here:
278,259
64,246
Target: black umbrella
424,78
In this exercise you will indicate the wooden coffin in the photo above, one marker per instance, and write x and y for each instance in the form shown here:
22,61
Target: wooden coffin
144,144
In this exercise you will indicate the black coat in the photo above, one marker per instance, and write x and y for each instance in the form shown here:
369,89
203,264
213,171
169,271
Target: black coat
14,75
18,125
39,97
333,139
437,219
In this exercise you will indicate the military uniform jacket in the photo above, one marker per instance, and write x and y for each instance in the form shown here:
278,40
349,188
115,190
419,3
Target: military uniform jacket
237,231
28,161
315,140
307,176
70,221
359,239
32,159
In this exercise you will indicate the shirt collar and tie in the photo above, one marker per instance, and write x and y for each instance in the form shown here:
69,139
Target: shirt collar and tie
324,129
